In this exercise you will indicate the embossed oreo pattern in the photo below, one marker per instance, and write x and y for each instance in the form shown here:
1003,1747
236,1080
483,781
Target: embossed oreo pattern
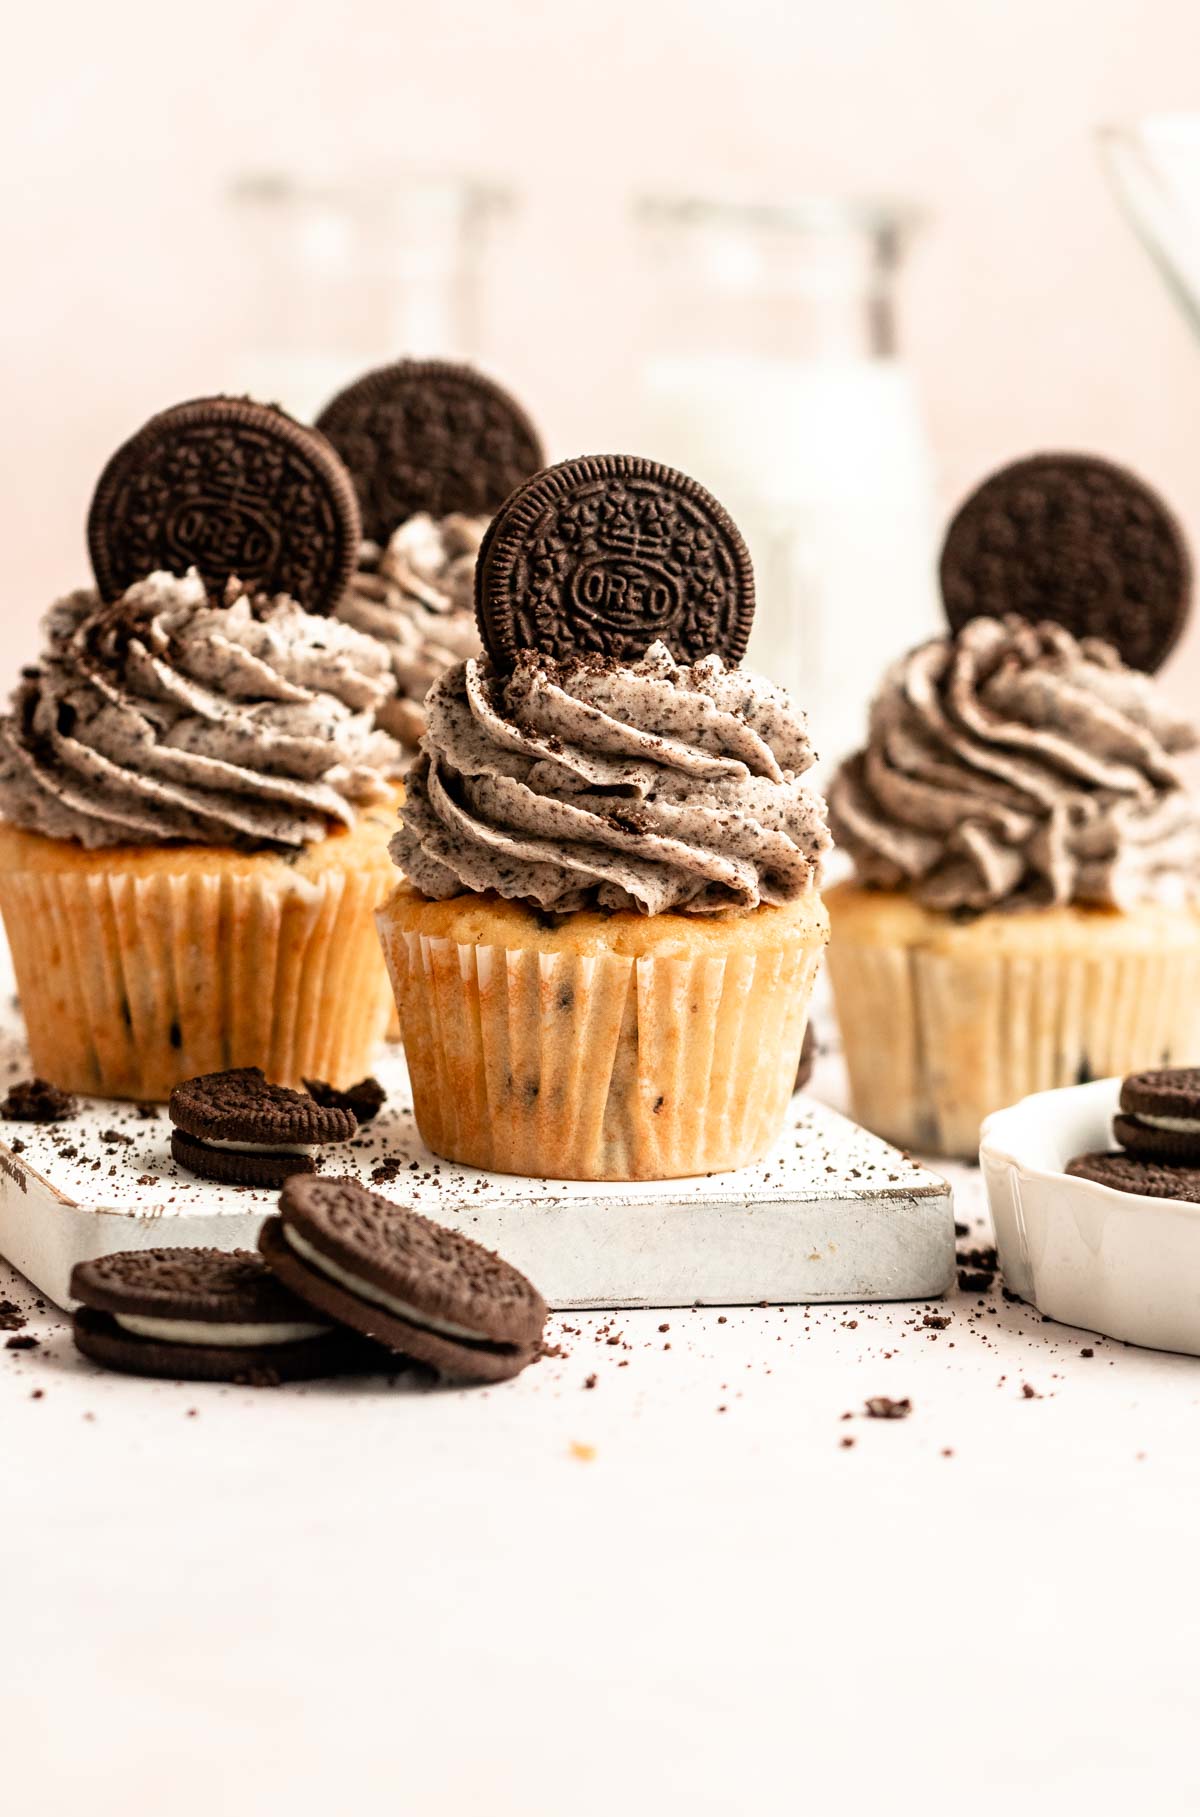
1075,540
429,435
609,554
228,487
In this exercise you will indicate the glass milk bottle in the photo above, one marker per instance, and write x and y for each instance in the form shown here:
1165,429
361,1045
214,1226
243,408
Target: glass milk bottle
346,274
772,374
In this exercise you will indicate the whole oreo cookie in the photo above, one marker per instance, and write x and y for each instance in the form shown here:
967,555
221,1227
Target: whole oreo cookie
235,1127
200,1315
1077,540
227,486
429,435
1152,1179
422,1290
606,554
1160,1115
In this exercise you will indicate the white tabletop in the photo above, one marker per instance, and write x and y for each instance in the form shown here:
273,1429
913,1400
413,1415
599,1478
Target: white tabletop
679,1588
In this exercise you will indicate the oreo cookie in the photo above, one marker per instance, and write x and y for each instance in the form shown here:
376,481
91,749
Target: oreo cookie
1125,1173
228,487
1160,1115
605,555
235,1127
1079,541
429,435
421,1290
200,1315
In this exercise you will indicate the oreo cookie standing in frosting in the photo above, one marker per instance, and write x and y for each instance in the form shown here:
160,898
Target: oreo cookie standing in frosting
1159,1118
429,435
235,1127
1076,540
200,1315
422,1290
228,487
607,554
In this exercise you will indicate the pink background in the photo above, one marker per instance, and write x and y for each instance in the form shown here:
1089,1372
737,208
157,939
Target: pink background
1031,315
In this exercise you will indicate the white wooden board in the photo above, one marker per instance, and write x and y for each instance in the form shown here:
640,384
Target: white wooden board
831,1214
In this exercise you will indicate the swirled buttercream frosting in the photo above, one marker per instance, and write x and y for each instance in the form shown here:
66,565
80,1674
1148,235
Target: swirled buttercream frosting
590,783
162,718
417,596
1013,765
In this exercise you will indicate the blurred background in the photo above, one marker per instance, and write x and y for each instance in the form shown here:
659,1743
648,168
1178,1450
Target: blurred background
839,261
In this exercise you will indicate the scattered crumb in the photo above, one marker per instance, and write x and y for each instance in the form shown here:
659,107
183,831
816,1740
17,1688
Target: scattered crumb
37,1101
882,1408
585,1453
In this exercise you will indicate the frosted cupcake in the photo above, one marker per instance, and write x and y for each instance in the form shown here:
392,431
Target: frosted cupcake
1025,909
192,782
416,597
604,952
433,448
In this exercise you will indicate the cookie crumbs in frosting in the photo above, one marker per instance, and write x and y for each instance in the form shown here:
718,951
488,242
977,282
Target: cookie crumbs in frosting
1013,764
417,597
590,782
163,718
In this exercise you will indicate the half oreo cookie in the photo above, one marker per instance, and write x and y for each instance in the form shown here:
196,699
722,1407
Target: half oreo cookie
1079,541
200,1315
607,554
422,1290
429,435
228,487
1160,1115
235,1127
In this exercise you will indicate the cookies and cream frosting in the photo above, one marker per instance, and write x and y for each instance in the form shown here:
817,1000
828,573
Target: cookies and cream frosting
162,718
1013,764
648,785
417,596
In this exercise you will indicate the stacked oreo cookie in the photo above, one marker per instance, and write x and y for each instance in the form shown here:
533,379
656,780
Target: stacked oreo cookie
346,1280
1158,1127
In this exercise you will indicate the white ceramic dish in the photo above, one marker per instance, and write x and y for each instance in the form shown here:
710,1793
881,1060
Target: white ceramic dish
1113,1262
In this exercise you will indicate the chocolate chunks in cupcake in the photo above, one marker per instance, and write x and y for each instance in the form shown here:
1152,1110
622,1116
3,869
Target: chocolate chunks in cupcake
201,1315
237,1128
421,1290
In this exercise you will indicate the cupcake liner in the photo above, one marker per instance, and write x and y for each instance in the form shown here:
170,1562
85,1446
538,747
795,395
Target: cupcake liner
131,983
938,1035
568,1065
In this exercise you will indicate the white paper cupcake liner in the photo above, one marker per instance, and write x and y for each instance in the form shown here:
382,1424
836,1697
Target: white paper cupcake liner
131,983
937,1037
598,1067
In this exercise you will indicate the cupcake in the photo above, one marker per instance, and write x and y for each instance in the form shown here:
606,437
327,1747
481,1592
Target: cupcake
193,788
433,449
605,946
1025,906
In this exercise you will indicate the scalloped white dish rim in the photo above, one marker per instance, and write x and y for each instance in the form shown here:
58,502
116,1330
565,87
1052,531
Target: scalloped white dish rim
1117,1263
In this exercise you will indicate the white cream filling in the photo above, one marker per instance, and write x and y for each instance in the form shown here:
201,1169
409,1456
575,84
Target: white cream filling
259,1148
366,1291
1178,1126
191,1331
